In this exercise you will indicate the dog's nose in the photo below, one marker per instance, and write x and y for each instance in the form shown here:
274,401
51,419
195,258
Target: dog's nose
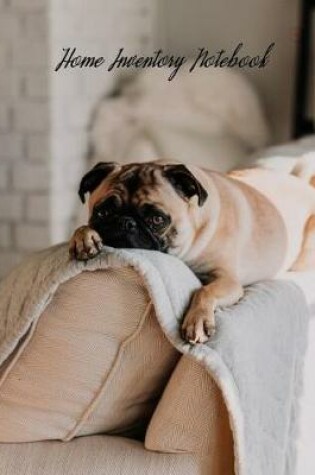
128,224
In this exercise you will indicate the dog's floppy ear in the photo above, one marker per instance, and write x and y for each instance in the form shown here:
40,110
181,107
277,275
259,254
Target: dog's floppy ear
94,177
185,183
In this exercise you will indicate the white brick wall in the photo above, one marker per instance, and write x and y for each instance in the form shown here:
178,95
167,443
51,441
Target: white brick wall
30,177
31,116
104,27
11,145
5,236
11,207
30,237
30,54
44,115
4,117
4,55
9,83
9,25
28,5
24,121
37,207
4,176
37,147
35,85
34,25
9,259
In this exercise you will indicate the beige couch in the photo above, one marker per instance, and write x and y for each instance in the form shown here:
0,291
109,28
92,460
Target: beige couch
94,455
97,363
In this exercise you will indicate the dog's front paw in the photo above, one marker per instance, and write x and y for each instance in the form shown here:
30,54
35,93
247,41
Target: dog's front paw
198,325
85,244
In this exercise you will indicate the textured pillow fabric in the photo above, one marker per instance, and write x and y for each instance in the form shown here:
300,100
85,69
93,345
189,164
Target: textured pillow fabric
95,455
96,361
191,417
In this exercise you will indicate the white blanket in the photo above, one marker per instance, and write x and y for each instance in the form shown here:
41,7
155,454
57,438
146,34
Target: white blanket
256,356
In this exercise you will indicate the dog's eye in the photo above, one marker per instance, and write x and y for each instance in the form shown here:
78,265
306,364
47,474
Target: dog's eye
104,213
108,208
155,221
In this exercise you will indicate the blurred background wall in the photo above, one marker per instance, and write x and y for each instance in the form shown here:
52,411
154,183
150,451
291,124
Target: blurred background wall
184,26
24,128
95,28
45,116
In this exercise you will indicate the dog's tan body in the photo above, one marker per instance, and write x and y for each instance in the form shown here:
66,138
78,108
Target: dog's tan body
294,201
261,225
253,225
265,225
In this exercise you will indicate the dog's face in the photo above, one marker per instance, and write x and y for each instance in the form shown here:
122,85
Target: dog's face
146,206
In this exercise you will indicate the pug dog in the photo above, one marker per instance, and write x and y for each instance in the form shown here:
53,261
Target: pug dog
231,230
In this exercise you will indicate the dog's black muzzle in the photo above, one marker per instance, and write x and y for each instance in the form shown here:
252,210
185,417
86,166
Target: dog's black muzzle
125,232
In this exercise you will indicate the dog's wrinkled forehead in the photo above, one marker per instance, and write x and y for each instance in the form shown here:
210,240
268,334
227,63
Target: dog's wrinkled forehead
139,180
135,182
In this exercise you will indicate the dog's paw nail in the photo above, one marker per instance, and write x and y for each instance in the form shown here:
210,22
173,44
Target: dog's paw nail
189,335
193,342
209,329
194,333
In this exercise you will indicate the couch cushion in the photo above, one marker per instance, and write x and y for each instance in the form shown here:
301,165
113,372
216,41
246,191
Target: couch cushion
95,362
194,420
95,455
